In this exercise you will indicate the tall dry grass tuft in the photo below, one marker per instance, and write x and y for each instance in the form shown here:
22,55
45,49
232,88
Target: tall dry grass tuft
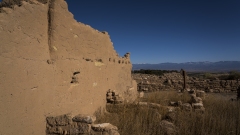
222,116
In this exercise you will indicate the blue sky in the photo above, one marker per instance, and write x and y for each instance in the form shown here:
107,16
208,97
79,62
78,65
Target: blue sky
156,31
166,30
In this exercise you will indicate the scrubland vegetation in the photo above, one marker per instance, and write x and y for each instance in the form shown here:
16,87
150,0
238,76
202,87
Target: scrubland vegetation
154,72
221,117
232,75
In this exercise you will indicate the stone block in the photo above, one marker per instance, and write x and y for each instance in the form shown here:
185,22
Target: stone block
59,120
114,93
201,94
171,116
172,109
141,94
173,103
92,132
84,118
201,110
54,130
109,97
109,94
142,103
154,105
82,128
195,99
186,107
104,127
118,101
179,103
167,127
197,105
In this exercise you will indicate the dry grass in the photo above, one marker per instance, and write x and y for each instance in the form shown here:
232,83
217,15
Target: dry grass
222,116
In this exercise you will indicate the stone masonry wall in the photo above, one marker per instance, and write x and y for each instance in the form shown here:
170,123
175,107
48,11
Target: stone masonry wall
53,65
175,81
80,124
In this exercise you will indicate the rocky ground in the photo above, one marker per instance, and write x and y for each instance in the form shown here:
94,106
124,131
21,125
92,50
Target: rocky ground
174,80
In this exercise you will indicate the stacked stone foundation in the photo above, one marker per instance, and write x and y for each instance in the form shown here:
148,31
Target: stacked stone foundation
78,125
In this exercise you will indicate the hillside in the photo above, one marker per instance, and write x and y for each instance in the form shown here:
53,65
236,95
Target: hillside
221,66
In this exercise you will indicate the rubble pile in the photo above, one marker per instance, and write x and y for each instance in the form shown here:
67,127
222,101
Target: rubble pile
114,97
195,105
80,124
168,81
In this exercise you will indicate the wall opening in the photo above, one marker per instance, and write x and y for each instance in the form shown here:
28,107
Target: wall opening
75,77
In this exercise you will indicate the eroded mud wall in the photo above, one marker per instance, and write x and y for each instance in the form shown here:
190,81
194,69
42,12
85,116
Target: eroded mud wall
53,65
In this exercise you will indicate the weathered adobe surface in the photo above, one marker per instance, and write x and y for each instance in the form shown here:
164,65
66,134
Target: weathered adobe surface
175,81
53,65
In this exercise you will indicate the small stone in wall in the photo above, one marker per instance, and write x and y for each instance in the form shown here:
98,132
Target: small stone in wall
197,105
105,128
142,103
104,32
127,55
59,120
202,110
167,127
82,128
84,118
186,107
201,94
141,94
195,99
113,97
179,103
173,103
80,124
192,92
114,93
154,105
171,116
50,61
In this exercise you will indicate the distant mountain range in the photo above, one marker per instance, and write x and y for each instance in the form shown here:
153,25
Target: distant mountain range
221,66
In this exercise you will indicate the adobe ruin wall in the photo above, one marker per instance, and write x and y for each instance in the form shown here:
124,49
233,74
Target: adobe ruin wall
53,65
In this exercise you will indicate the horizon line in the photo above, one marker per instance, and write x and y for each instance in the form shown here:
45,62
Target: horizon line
191,62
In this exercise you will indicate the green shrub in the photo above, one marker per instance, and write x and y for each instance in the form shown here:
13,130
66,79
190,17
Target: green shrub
233,75
209,76
153,72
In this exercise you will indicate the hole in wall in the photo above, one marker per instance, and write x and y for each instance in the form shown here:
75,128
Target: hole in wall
78,72
75,77
99,60
88,59
50,61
